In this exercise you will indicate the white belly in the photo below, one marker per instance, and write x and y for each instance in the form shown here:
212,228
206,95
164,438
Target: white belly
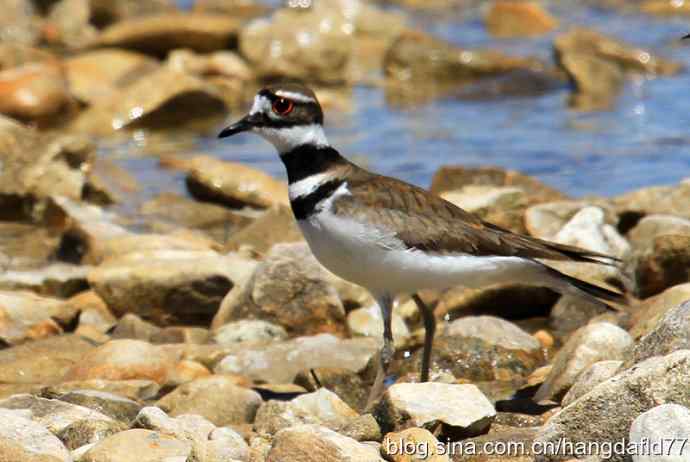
377,260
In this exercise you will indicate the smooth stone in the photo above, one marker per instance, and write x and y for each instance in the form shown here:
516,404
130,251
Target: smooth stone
280,362
461,408
34,92
411,445
663,263
217,398
28,437
590,344
590,378
248,330
646,316
140,445
666,426
653,226
314,443
666,200
518,19
274,416
327,407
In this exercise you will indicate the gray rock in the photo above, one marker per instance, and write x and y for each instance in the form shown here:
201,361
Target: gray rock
495,331
31,436
650,311
130,389
216,398
461,408
313,443
327,407
131,326
595,342
226,445
248,330
367,322
274,416
53,414
590,378
671,333
140,445
280,362
662,263
665,428
362,428
112,405
83,432
607,411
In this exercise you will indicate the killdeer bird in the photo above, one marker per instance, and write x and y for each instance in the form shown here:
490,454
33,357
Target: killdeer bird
392,237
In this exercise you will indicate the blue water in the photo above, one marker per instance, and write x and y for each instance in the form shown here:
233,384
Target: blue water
644,140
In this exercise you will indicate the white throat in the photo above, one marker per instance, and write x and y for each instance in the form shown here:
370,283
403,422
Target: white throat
288,138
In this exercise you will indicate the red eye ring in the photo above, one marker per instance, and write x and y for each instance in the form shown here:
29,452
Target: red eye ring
283,106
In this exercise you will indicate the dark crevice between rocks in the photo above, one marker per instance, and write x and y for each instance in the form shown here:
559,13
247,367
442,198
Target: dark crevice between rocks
628,219
72,248
196,304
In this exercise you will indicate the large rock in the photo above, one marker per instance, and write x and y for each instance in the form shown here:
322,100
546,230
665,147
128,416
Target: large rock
463,410
133,389
30,437
233,184
154,102
653,226
280,362
298,43
216,398
593,343
291,289
546,219
34,92
124,360
53,414
412,444
26,316
275,225
483,348
648,314
607,411
313,443
83,432
68,24
669,334
663,263
327,407
597,82
502,206
667,427
667,200
248,330
138,444
114,406
518,19
18,24
591,377
159,34
168,285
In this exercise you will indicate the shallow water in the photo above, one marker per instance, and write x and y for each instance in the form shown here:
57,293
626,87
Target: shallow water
644,140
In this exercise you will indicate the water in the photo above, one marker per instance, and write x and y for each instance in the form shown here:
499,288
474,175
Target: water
644,140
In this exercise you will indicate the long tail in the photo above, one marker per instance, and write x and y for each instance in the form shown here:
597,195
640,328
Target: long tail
577,287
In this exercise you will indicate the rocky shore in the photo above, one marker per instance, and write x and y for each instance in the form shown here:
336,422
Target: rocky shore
200,328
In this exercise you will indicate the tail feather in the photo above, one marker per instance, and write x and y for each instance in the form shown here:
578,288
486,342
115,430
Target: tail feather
578,287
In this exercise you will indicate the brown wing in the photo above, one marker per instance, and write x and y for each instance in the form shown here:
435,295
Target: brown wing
433,224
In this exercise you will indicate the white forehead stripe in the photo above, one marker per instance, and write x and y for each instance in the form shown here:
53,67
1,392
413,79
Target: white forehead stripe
299,97
261,104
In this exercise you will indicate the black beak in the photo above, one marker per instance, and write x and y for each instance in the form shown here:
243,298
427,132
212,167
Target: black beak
244,124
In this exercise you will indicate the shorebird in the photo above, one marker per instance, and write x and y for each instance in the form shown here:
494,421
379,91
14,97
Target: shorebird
392,237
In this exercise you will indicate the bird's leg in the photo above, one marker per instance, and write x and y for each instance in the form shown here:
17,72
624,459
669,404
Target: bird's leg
429,330
387,351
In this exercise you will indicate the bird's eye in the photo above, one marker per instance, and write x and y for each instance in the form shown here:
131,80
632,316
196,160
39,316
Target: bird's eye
283,106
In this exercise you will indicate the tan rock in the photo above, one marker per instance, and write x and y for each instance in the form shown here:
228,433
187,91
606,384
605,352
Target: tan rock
138,444
134,389
518,19
33,91
668,200
234,184
652,226
502,206
651,310
276,225
17,23
413,444
22,440
124,360
369,323
665,7
597,81
27,316
663,263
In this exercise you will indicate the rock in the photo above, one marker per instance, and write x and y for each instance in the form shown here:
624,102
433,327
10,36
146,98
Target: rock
518,19
666,200
30,437
302,44
35,91
327,407
599,46
593,343
607,411
187,371
220,63
53,414
665,426
241,8
663,263
83,432
664,8
462,409
597,81
168,285
248,330
138,444
216,398
516,446
591,377
57,279
275,225
274,416
362,428
124,360
307,443
43,362
648,314
175,212
110,404
412,444
233,184
12,451
483,348
546,219
350,386
161,33
456,177
106,12
280,362
503,206
225,444
129,389
291,289
68,24
154,102
670,333
418,58
367,322
17,23
653,226
131,326
26,316
30,246
14,54
96,76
